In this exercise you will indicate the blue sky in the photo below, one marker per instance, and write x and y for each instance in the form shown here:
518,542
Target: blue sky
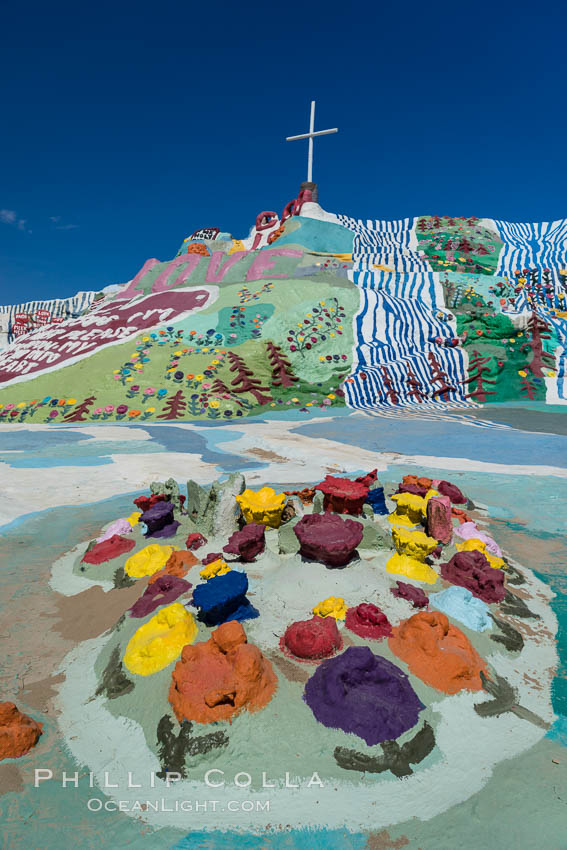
128,125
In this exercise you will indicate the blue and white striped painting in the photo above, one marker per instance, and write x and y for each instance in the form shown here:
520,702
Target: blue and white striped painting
385,243
528,246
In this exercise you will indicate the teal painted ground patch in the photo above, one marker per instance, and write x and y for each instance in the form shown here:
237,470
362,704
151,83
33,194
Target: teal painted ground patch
558,731
316,235
296,839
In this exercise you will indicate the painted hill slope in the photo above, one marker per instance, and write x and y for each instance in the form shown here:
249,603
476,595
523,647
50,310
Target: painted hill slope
310,310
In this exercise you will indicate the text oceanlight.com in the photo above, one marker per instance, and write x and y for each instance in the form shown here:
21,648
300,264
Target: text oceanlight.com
95,804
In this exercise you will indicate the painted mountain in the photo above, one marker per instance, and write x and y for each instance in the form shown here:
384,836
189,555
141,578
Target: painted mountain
312,310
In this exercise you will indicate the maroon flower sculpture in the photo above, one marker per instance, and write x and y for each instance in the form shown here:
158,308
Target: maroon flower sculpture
247,543
413,594
472,570
452,491
312,640
368,621
343,496
328,538
212,556
164,590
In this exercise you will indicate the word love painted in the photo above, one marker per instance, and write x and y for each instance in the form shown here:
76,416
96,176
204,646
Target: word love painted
55,346
239,266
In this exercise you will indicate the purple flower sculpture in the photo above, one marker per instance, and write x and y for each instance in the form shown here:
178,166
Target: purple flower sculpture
159,520
328,538
162,591
247,543
365,694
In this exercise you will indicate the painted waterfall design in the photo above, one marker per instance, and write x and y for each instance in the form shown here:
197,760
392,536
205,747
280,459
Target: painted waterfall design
405,351
528,246
391,244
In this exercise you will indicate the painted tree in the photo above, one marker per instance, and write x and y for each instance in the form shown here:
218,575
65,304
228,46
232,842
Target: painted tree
477,369
439,376
220,388
175,407
528,388
244,380
414,386
391,393
539,331
81,411
465,246
282,372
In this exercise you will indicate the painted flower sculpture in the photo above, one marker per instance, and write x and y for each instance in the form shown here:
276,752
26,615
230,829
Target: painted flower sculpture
343,496
334,606
159,641
148,560
263,506
410,508
328,538
219,678
412,548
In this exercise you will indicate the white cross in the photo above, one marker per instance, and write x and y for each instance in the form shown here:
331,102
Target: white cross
310,135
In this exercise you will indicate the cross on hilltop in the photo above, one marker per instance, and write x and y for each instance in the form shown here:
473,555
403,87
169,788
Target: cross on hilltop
311,135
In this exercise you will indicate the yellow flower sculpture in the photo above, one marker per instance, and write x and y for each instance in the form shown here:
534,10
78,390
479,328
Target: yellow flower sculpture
410,508
148,561
159,641
412,548
215,568
473,543
334,606
416,544
404,565
264,506
133,519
